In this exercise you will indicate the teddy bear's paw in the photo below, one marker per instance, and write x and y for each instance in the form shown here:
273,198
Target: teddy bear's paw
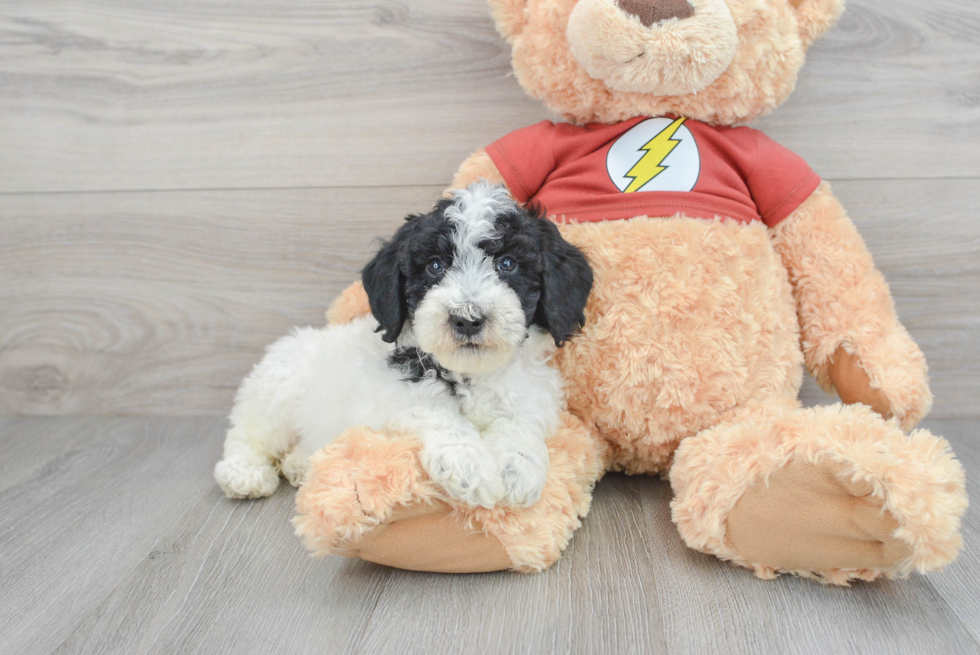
523,477
243,478
816,517
294,467
890,376
465,471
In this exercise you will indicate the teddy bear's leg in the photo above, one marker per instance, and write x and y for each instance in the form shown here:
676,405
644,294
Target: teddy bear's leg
366,495
834,493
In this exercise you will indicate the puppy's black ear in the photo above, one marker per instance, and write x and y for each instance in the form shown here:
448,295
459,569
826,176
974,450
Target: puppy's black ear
385,286
566,282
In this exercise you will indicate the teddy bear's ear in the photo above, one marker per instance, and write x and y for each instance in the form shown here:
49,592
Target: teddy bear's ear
509,16
816,17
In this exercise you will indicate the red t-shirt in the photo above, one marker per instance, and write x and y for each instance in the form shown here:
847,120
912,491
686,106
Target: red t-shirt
654,167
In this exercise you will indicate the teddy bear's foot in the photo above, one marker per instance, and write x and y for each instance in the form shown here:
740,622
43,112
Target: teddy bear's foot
367,495
815,517
834,493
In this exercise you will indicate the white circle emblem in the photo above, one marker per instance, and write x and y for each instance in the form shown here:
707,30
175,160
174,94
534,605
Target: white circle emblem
658,154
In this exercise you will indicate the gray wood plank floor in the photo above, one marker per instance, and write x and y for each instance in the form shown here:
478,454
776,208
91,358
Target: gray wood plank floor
183,181
117,541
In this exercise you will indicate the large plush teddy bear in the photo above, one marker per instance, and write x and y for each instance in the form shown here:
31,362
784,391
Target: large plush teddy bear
722,265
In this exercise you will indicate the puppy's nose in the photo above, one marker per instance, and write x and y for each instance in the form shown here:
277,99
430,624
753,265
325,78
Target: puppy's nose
656,11
467,327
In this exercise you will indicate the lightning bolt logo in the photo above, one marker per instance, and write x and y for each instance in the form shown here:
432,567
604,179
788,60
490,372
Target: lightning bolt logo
657,150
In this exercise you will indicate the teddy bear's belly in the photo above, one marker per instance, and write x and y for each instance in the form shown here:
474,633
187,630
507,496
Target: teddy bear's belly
688,319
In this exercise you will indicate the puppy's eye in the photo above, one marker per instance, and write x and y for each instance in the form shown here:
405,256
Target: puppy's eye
435,267
506,265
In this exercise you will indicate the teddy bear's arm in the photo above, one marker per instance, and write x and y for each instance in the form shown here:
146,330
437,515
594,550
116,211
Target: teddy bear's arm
477,166
852,339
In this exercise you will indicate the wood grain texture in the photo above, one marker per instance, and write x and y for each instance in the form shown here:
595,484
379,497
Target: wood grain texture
159,303
75,527
141,94
142,562
29,445
232,578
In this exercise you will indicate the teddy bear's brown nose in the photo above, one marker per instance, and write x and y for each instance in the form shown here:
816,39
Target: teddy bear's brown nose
655,11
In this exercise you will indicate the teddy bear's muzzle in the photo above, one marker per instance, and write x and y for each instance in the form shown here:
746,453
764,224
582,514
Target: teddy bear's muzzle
662,47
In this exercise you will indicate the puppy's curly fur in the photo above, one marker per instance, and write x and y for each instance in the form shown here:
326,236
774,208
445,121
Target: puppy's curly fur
468,303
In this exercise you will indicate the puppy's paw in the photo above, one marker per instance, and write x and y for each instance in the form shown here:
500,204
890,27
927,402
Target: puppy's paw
467,472
523,477
242,478
294,467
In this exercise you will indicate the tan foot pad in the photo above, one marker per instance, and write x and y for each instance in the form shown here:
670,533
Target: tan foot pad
807,518
429,538
853,384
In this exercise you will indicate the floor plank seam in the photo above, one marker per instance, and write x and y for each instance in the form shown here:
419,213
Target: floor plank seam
421,185
342,187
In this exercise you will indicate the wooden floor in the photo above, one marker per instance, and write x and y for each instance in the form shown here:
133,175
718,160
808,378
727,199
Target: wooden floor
116,540
183,181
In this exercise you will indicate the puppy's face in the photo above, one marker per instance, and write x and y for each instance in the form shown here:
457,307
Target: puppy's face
473,275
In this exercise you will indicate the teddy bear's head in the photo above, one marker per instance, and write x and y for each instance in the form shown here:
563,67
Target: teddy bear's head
719,61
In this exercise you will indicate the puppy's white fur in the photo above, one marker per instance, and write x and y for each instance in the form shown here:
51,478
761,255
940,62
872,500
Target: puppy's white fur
483,440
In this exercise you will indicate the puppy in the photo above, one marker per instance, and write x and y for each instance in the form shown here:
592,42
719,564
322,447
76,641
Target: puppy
468,303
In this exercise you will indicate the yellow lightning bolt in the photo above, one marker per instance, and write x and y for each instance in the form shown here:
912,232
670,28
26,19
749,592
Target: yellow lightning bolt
657,150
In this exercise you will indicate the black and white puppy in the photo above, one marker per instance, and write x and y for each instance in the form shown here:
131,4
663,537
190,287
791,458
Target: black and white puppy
468,303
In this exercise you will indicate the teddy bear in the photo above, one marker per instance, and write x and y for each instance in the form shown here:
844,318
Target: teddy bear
723,265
